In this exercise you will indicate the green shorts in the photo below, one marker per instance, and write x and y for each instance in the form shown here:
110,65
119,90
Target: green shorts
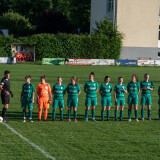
106,101
120,102
72,101
58,102
146,100
132,99
27,103
91,101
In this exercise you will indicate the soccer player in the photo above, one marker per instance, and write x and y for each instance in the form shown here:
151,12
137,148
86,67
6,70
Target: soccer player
58,91
106,99
133,89
43,100
91,88
5,92
119,95
146,87
27,98
73,90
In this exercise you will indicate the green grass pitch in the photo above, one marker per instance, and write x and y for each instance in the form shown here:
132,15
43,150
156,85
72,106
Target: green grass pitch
80,141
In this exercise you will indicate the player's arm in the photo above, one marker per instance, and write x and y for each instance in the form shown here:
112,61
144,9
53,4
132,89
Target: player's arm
97,88
151,88
79,90
100,90
124,89
33,94
85,88
37,97
115,96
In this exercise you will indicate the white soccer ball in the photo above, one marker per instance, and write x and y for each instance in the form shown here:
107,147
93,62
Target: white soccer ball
1,119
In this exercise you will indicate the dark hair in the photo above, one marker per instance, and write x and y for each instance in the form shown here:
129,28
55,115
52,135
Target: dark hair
92,73
119,78
146,74
6,72
43,77
76,79
58,78
134,75
106,77
27,77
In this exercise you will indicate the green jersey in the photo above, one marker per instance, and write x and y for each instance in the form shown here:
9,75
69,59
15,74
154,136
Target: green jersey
133,88
91,88
146,84
106,89
73,90
27,91
119,90
58,91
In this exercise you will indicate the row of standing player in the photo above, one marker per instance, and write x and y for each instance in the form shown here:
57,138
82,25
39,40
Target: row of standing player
90,87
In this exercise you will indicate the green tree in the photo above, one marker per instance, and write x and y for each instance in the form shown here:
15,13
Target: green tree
5,6
32,9
16,23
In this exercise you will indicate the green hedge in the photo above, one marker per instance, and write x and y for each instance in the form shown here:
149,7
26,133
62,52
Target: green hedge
67,45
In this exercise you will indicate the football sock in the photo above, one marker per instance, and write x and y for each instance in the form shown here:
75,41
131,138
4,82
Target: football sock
136,114
30,113
149,113
54,114
93,113
142,113
4,110
121,114
61,114
69,114
45,114
24,113
108,114
86,113
102,114
39,114
75,114
129,113
159,113
116,114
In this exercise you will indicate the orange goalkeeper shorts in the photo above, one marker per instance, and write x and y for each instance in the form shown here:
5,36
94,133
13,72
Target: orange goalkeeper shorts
43,105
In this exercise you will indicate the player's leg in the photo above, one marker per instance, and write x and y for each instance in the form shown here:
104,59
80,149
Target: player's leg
30,108
94,104
109,104
69,104
5,102
54,106
23,106
136,112
87,104
117,104
40,106
45,107
143,102
75,105
122,104
103,104
61,106
129,100
149,103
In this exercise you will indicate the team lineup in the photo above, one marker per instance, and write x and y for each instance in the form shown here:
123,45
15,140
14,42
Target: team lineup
73,90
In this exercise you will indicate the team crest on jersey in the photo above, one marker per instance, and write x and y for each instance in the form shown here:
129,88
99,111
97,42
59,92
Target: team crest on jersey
109,87
46,87
61,87
94,84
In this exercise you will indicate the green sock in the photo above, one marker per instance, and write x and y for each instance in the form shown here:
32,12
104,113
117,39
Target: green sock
54,114
61,114
75,114
149,113
108,114
30,113
159,113
69,114
142,113
129,113
24,113
102,114
136,114
116,114
86,113
121,114
93,113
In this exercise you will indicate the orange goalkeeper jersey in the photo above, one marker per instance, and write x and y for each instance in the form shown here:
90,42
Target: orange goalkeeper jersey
43,91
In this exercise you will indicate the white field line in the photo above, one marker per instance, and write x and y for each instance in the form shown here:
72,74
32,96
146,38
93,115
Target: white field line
29,142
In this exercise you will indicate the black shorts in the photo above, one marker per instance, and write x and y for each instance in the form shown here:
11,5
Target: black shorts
5,98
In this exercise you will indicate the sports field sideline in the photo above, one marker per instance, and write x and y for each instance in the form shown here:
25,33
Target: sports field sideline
63,140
